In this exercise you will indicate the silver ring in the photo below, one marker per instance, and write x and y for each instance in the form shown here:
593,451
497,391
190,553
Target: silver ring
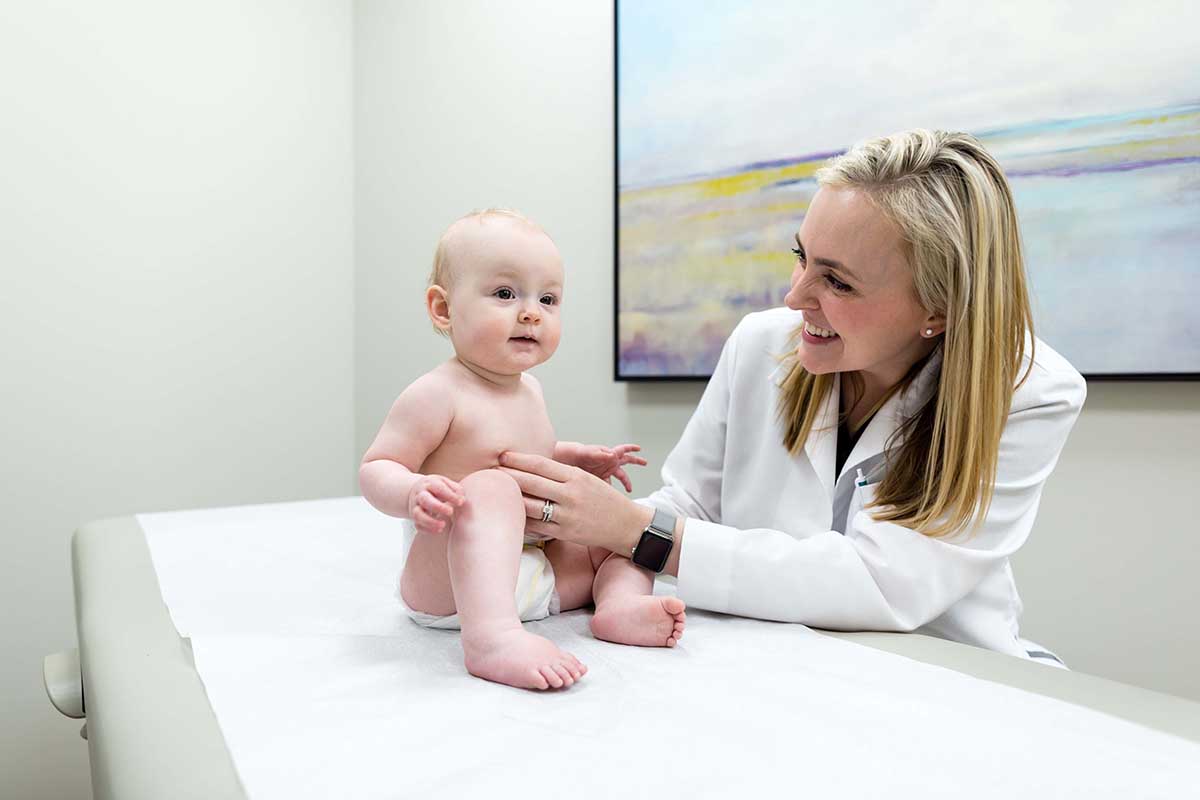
548,511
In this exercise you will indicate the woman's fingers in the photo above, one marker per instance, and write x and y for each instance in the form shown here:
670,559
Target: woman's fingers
533,507
548,530
538,465
537,486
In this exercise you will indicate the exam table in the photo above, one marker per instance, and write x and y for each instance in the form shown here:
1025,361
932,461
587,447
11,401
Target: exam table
151,731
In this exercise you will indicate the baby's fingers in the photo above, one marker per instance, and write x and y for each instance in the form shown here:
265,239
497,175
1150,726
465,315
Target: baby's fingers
425,522
448,490
620,475
429,503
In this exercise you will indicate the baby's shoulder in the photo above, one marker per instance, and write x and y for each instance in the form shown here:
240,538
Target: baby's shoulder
434,388
531,383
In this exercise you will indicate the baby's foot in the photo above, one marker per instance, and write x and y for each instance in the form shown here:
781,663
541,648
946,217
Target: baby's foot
515,657
643,620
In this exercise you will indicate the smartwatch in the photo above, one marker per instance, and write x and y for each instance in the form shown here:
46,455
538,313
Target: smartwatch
654,548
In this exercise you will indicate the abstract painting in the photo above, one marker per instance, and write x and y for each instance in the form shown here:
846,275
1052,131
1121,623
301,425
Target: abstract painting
726,110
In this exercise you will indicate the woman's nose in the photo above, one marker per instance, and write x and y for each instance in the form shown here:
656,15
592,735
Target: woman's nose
799,296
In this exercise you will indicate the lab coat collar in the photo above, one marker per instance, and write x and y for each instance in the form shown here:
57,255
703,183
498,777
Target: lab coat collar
821,446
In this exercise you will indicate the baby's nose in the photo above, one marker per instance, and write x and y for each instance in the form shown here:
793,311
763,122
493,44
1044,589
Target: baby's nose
530,315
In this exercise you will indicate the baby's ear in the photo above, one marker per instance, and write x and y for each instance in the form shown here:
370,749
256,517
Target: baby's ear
437,303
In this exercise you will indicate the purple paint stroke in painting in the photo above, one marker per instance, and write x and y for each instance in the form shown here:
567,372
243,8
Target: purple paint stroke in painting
1120,166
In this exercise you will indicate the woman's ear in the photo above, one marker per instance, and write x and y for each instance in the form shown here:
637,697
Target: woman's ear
437,303
934,325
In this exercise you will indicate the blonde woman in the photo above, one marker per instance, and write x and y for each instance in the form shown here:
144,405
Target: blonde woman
870,456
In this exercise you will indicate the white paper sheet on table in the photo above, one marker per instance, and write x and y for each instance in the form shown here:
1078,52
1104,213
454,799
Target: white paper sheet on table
322,688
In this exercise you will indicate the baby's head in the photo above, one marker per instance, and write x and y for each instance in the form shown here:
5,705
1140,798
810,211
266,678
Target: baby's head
495,290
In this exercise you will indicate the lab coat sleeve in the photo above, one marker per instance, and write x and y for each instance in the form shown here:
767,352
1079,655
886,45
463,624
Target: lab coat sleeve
693,471
880,575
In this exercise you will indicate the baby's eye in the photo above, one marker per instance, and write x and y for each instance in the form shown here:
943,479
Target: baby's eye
549,300
504,294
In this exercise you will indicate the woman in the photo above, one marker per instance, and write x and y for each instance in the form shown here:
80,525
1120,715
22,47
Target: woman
869,457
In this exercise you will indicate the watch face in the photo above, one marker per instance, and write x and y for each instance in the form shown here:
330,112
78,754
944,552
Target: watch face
652,551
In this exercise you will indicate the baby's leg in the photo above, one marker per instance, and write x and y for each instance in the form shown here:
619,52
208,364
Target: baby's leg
574,570
484,553
627,612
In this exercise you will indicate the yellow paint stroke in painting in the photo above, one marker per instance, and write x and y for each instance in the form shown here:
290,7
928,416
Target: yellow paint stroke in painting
728,185
1184,145
798,207
1164,118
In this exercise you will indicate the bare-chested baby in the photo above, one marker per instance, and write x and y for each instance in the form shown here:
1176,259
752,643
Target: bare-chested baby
496,291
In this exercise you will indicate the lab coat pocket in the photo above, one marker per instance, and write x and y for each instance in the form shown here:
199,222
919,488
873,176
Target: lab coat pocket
863,496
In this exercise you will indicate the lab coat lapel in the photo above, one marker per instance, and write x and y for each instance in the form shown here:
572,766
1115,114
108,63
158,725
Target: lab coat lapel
821,445
892,414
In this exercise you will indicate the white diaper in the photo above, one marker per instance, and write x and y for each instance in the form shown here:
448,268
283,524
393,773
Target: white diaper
536,597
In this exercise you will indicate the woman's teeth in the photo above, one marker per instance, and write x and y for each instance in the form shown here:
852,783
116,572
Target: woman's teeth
815,331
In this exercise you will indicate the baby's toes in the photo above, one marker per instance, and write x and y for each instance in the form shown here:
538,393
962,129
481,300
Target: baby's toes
564,673
550,676
537,680
673,606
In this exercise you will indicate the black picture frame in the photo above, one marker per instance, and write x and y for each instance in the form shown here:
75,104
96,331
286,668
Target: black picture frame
618,377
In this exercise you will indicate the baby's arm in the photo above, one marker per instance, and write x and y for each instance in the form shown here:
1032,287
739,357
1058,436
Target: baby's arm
603,462
414,427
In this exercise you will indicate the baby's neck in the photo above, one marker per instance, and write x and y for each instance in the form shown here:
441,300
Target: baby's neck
499,380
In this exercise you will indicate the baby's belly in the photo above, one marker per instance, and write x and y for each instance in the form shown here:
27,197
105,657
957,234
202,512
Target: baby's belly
457,463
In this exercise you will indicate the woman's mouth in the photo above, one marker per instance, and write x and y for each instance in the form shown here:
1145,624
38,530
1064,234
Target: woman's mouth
815,335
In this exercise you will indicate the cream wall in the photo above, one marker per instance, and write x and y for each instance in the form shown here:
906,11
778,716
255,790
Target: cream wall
460,105
176,304
196,198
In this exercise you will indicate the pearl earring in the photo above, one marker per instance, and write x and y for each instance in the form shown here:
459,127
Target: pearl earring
929,331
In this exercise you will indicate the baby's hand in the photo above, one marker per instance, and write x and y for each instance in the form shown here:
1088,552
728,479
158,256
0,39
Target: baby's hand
432,501
606,462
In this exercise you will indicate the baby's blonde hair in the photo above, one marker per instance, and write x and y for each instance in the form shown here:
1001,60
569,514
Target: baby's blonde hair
442,273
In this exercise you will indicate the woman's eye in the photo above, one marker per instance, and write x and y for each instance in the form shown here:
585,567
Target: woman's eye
799,254
838,285
549,299
505,294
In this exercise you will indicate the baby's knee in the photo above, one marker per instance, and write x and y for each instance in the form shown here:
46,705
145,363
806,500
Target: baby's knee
491,484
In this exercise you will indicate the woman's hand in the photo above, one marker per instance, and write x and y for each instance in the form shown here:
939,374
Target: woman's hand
587,510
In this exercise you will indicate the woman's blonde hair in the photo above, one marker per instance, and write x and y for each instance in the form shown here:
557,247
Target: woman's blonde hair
955,211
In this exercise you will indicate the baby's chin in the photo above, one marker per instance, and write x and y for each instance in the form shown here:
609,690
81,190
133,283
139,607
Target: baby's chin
508,366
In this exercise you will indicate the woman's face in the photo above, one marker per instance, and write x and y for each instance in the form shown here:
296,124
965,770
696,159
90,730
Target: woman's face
852,280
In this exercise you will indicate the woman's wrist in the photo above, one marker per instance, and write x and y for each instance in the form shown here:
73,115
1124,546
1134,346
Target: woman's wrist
639,519
630,531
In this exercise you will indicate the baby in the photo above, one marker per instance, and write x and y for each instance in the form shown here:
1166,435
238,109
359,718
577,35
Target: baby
496,290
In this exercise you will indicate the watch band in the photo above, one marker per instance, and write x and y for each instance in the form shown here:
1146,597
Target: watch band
658,539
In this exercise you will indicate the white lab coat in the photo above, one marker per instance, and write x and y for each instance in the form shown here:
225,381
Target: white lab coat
764,531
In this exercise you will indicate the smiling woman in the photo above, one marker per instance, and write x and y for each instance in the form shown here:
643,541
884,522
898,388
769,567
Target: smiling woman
929,224
869,457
